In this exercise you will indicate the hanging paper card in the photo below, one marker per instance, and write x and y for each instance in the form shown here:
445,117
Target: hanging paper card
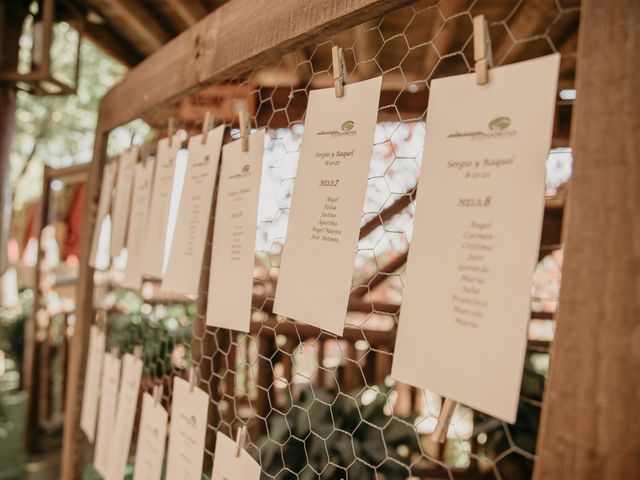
104,203
157,226
228,466
108,403
152,436
136,232
125,416
122,199
462,331
188,429
327,204
234,235
91,389
187,248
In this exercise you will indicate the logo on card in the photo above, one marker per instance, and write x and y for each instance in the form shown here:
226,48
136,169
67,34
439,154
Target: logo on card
246,170
346,128
498,127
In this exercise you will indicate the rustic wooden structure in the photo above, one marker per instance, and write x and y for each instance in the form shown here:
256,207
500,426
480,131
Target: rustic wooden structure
217,49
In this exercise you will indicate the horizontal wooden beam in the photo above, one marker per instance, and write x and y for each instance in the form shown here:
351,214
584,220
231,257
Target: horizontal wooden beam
144,25
190,11
240,35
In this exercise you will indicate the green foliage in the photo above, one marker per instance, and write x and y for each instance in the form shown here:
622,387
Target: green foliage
328,435
59,130
13,322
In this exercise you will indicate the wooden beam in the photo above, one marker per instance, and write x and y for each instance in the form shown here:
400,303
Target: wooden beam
590,427
190,11
141,22
111,42
238,36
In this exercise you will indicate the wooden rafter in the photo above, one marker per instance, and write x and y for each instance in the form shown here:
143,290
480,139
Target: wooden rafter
141,22
190,11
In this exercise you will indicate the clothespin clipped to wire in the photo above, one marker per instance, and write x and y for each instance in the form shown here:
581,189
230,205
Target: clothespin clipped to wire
157,394
337,55
137,351
444,419
101,320
207,125
243,118
193,378
241,438
172,127
482,49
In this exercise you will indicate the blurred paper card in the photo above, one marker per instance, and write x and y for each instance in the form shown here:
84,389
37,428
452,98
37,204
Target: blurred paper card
159,207
122,199
91,389
462,331
125,416
316,271
104,204
136,235
108,403
152,437
187,248
226,466
234,235
188,429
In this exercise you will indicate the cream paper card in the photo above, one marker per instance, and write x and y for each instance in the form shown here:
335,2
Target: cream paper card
104,203
462,331
108,402
91,389
156,231
187,248
137,230
188,429
234,235
314,282
125,416
152,436
226,466
122,199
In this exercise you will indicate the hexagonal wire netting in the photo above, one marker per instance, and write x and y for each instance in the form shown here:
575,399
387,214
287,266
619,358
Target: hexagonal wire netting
319,405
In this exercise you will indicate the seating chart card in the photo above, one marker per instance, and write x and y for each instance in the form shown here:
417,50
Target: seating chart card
122,199
160,204
104,204
188,429
327,205
463,326
138,219
125,416
108,402
234,235
187,248
91,389
226,466
152,437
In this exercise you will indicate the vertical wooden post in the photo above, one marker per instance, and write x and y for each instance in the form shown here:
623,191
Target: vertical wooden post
12,15
590,426
72,440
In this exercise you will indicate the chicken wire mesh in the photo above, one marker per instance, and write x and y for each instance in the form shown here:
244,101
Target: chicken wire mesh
319,405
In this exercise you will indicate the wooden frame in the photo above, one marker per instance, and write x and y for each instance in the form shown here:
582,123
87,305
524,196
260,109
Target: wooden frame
36,376
244,34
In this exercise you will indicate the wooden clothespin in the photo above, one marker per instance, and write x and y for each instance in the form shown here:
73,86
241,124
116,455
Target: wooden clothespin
241,438
157,394
243,118
444,419
337,55
207,125
172,126
101,320
137,351
193,378
482,49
